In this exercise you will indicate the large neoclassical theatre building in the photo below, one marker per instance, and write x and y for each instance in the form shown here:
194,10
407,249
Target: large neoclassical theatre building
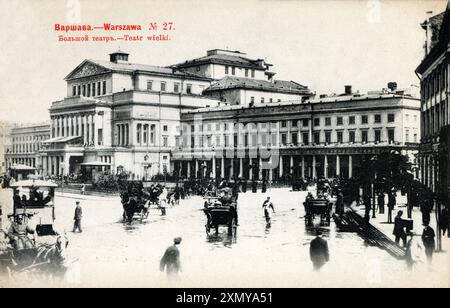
118,115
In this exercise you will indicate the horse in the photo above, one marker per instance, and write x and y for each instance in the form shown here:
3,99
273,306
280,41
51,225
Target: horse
42,259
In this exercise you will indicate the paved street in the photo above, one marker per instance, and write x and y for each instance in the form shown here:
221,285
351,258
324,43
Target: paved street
111,253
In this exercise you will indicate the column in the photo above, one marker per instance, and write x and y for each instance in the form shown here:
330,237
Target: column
232,168
188,169
117,133
291,165
260,169
54,127
67,126
303,167
241,167
281,166
350,166
338,165
127,135
222,167
95,130
325,167
213,167
58,131
85,136
196,167
250,175
80,123
91,129
314,175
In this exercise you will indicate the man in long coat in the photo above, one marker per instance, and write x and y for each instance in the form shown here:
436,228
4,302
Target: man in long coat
319,252
171,260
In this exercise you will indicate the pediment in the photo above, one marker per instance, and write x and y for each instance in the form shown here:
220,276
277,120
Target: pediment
87,69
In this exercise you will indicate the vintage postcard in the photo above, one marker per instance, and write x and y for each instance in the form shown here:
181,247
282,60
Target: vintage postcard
224,144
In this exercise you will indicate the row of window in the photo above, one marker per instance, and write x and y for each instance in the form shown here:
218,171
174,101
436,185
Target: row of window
26,148
305,122
145,134
232,70
176,87
282,139
90,89
263,100
435,83
30,138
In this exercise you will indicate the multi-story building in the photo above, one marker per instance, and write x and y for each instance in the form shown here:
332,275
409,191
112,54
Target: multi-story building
239,80
434,75
26,144
5,144
326,137
434,72
120,116
123,116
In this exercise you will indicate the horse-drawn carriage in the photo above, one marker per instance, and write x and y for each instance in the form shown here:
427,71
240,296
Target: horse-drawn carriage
318,207
135,202
25,256
31,245
221,210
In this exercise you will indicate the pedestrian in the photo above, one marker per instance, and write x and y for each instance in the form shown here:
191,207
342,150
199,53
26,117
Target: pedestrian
391,205
266,205
381,203
318,251
399,231
83,188
171,260
340,203
77,218
163,201
428,236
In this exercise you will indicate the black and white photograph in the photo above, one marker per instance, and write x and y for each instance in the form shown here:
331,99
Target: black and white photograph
224,144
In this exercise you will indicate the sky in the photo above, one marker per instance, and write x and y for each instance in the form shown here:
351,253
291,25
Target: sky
321,44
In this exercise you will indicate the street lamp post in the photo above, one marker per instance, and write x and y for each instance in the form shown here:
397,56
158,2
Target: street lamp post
374,160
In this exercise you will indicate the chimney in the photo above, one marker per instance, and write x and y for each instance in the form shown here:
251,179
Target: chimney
392,86
348,89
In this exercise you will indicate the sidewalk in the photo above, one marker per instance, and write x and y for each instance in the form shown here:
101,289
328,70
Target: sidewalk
440,259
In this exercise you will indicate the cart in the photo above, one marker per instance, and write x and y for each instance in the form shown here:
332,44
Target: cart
318,207
221,211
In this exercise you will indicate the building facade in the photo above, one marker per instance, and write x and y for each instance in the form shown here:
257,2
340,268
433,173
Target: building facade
26,144
120,116
239,80
123,116
5,144
433,72
327,137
